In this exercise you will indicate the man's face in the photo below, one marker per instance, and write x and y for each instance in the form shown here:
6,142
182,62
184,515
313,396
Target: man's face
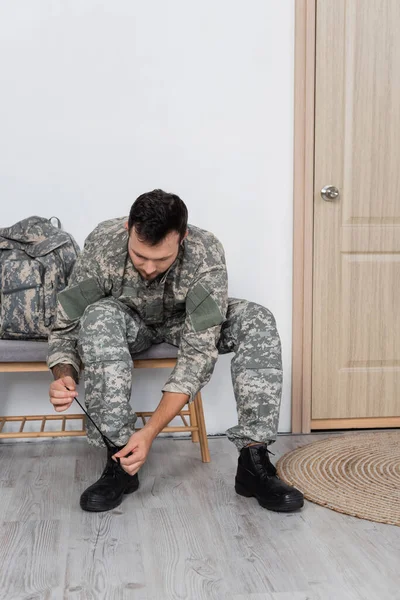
151,261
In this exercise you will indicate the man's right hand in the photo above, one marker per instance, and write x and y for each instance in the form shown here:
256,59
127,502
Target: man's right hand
61,397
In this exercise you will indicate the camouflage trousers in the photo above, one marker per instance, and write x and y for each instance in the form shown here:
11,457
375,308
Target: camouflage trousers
111,332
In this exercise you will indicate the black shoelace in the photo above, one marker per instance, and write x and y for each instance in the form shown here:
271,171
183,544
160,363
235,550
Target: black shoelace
110,445
270,469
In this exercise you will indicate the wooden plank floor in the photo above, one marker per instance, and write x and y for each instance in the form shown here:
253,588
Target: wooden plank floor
185,535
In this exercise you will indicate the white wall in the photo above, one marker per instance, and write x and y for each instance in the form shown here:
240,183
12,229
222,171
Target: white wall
101,101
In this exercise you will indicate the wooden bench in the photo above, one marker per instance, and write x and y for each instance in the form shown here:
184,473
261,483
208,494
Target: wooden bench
23,356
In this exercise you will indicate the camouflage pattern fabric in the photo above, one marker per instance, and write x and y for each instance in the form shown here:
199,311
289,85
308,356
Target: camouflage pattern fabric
36,260
191,297
250,332
110,333
108,312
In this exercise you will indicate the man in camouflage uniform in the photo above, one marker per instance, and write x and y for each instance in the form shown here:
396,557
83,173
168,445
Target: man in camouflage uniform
147,280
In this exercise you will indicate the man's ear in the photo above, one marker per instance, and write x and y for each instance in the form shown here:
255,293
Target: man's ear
185,236
126,225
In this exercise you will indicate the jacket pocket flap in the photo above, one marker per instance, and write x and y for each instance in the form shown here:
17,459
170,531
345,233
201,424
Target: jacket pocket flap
77,298
202,309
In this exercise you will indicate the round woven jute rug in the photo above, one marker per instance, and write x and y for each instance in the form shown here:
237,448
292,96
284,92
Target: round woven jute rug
355,474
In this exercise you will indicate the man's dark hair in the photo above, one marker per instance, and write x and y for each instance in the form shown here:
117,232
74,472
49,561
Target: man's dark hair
157,213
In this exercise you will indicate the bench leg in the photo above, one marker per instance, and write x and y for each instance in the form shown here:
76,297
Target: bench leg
205,453
193,421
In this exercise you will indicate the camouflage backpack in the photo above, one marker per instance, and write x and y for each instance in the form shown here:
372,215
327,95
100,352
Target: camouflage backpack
36,260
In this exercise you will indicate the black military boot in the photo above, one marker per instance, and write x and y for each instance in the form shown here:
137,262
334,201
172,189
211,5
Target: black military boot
108,491
256,476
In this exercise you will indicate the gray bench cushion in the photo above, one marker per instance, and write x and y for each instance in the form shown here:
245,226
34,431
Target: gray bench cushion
162,350
31,351
22,351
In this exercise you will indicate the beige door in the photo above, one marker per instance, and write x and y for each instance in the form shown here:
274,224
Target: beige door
356,277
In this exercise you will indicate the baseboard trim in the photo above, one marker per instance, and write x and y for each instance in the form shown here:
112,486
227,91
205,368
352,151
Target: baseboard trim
358,423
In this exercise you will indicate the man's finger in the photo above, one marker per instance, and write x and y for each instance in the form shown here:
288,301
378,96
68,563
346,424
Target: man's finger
62,394
132,469
71,389
131,459
68,382
60,408
129,448
62,400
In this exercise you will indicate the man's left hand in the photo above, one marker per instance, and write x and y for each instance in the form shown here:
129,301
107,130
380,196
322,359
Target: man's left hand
138,445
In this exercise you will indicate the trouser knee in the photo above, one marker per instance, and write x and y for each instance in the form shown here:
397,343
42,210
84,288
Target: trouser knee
259,344
102,335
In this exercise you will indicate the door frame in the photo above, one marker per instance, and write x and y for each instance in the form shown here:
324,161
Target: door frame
303,233
303,224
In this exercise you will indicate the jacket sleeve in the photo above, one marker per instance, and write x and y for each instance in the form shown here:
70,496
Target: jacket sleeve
206,306
86,285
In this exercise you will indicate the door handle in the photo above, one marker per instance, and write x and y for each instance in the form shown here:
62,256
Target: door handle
329,193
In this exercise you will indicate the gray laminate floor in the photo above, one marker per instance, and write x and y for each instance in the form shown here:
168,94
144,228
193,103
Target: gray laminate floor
184,535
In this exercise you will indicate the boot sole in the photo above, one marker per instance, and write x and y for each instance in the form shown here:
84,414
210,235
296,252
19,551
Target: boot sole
95,507
288,505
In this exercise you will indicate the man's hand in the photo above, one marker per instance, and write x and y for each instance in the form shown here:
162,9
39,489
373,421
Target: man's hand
61,397
140,442
138,445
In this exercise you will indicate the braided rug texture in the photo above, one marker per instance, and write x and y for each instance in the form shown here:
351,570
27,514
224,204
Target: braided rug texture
355,474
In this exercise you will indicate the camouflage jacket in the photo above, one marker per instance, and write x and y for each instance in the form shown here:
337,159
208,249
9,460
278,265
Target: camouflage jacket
191,295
